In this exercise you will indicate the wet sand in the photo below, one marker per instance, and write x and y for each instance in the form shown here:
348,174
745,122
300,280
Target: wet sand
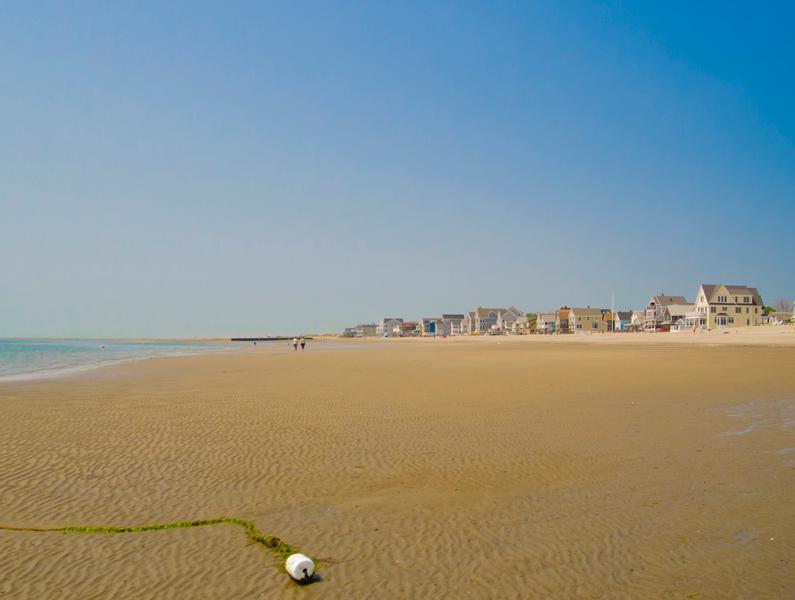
475,468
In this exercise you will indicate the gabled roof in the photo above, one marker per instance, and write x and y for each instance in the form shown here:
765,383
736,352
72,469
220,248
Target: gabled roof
587,312
666,300
624,315
484,313
679,310
512,310
732,290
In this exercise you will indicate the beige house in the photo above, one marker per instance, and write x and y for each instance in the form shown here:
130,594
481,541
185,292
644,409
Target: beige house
725,305
583,320
675,316
656,315
545,323
486,321
524,325
365,330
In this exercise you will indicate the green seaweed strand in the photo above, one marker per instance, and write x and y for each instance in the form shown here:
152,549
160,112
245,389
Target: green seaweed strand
255,535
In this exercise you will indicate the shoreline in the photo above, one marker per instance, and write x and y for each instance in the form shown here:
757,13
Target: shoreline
770,337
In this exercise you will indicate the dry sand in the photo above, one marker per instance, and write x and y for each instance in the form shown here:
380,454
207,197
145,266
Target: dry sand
638,468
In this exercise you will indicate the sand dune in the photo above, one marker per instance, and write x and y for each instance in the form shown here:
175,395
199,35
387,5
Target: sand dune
423,469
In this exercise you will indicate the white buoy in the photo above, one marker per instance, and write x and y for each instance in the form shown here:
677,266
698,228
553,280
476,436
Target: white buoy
300,567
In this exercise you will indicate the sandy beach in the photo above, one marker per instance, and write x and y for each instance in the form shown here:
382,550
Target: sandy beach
659,466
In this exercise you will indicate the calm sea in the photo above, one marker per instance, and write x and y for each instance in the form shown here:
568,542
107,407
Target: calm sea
31,359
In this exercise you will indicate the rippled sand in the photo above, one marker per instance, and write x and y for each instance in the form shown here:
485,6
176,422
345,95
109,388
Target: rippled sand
426,469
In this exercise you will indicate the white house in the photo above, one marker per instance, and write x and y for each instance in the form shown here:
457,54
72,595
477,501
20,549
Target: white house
506,319
388,327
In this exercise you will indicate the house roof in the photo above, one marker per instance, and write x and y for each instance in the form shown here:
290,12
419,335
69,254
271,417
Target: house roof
452,316
733,290
587,312
484,313
666,300
624,315
679,310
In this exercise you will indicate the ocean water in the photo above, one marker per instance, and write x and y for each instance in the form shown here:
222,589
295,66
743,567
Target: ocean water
32,359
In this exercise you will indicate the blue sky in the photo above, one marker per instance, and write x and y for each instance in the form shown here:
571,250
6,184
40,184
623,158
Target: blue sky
250,168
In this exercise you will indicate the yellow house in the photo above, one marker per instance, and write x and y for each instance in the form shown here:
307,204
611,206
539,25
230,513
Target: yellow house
583,320
726,306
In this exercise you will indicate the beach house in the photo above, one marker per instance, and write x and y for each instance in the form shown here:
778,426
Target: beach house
452,324
637,320
388,327
656,316
777,318
431,326
506,319
545,323
722,305
365,330
525,325
482,321
468,324
409,328
622,320
675,316
562,320
584,320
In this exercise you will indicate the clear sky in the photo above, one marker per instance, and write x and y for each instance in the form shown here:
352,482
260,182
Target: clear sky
253,168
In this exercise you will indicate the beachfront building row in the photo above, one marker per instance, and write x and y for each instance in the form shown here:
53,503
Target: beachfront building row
481,321
716,306
490,321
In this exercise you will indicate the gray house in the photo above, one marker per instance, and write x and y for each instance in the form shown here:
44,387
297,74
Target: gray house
656,314
452,324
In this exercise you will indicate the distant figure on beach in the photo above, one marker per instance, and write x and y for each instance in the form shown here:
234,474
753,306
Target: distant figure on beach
295,343
303,343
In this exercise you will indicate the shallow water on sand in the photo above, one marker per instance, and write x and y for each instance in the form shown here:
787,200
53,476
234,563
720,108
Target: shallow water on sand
33,359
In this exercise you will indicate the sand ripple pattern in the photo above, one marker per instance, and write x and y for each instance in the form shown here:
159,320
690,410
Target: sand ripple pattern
411,471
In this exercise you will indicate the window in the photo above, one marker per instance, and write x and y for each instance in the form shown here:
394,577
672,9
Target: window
596,325
579,325
746,299
713,309
755,309
747,310
748,321
738,310
736,300
731,319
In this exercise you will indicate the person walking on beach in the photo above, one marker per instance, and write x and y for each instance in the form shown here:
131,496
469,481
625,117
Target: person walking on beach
303,343
295,343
